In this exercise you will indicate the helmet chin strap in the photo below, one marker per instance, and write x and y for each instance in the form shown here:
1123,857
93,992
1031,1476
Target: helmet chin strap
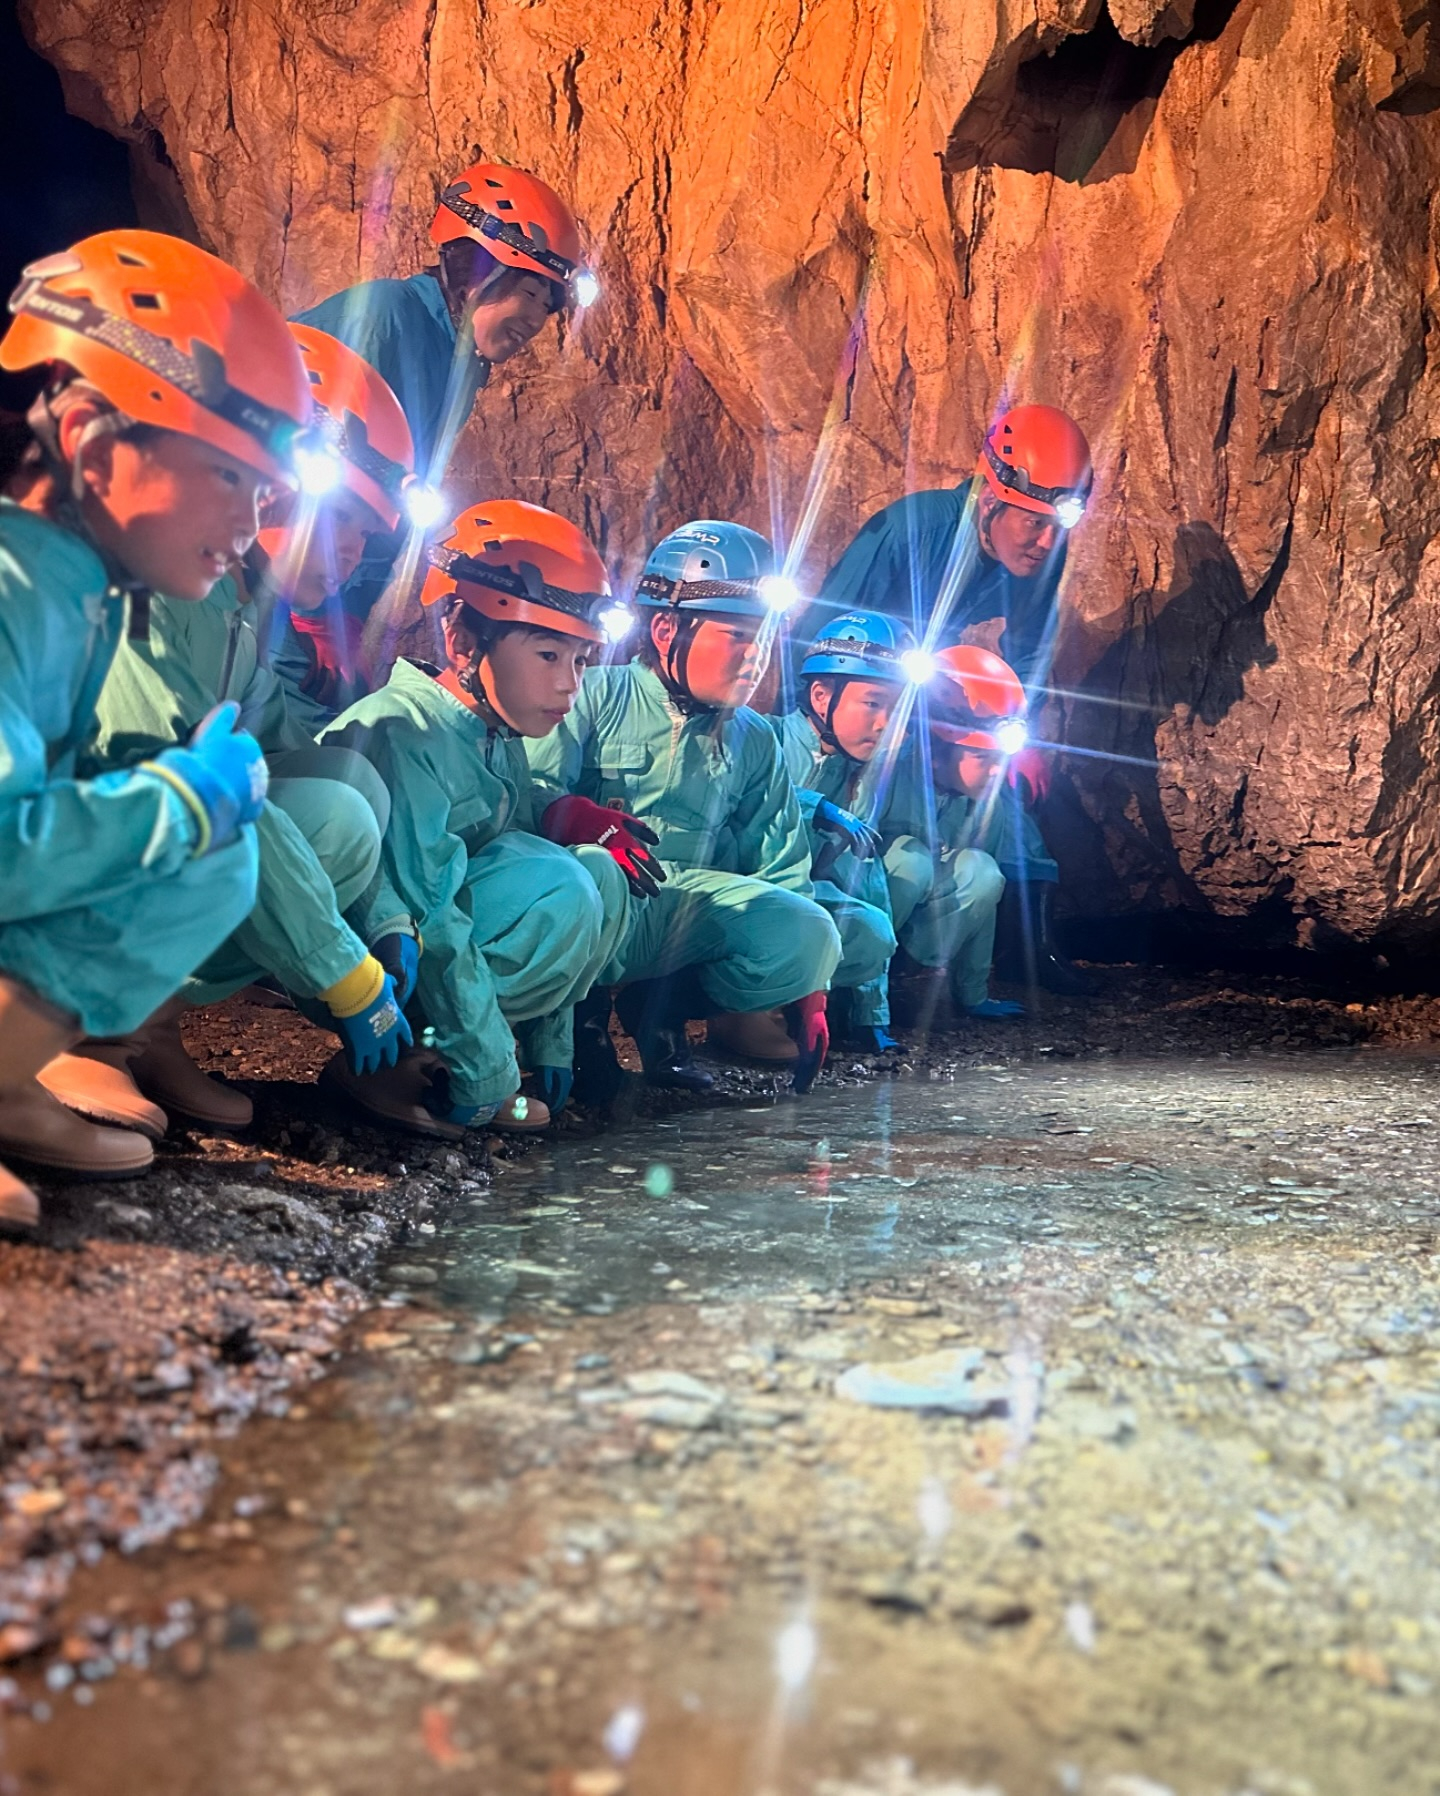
822,724
68,508
674,665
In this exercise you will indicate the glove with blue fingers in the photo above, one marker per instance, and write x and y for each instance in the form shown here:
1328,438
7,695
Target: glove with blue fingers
876,1038
554,1084
368,1017
995,1009
400,957
853,832
220,776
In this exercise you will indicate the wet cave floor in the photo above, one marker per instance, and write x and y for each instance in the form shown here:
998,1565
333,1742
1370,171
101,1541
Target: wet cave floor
604,1493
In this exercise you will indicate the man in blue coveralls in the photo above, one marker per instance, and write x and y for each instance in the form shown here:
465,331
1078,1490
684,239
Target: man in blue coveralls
983,562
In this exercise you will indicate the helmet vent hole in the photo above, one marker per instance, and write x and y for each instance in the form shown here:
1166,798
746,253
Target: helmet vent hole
490,181
127,260
494,546
504,205
146,302
157,397
316,378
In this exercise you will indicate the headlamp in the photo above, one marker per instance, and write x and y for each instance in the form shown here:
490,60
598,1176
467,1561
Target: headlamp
1069,511
584,288
918,666
616,621
318,469
779,592
1011,736
424,505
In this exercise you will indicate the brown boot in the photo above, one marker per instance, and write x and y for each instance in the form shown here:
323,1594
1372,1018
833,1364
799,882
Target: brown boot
751,1035
521,1116
155,1064
19,1206
395,1096
103,1092
34,1127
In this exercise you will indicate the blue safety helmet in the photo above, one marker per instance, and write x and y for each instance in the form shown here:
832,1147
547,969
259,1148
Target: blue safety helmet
714,569
861,645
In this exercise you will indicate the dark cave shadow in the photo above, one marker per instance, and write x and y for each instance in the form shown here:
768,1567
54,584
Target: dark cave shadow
1192,647
1080,112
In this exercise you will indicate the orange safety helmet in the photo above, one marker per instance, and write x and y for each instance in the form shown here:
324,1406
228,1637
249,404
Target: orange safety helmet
171,336
977,701
360,418
520,564
1036,457
520,220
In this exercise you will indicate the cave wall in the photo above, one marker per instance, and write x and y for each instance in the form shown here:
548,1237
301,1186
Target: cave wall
834,234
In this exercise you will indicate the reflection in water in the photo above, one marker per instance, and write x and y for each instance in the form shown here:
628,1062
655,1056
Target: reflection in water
844,1186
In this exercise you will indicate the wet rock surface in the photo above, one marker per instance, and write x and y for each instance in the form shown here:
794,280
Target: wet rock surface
594,1500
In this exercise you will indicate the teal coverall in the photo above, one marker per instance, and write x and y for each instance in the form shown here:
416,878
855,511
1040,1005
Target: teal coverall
943,893
319,833
514,929
737,905
856,893
103,910
405,331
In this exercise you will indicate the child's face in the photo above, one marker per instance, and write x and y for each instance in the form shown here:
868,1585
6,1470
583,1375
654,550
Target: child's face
310,560
175,512
725,662
971,771
530,677
859,717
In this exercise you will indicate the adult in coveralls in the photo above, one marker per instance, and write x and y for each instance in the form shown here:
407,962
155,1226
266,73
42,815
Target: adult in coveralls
306,552
667,741
851,684
173,397
512,929
319,837
984,561
509,259
944,891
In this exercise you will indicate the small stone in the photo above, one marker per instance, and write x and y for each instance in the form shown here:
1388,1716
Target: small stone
446,1666
16,1641
379,1612
412,1275
35,1503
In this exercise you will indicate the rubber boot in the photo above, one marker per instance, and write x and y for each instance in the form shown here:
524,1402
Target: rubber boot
1032,954
156,1064
599,1076
654,1013
919,995
753,1035
19,1206
104,1093
395,1096
520,1115
35,1128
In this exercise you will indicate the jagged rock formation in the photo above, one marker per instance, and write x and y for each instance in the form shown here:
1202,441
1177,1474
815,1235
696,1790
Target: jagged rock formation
833,235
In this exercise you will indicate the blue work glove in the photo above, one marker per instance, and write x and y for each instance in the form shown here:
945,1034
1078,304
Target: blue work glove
374,1036
554,1083
220,775
877,1038
853,831
464,1116
400,957
995,1009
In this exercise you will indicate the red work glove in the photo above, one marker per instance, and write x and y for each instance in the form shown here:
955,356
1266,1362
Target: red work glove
810,1029
1029,773
570,821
